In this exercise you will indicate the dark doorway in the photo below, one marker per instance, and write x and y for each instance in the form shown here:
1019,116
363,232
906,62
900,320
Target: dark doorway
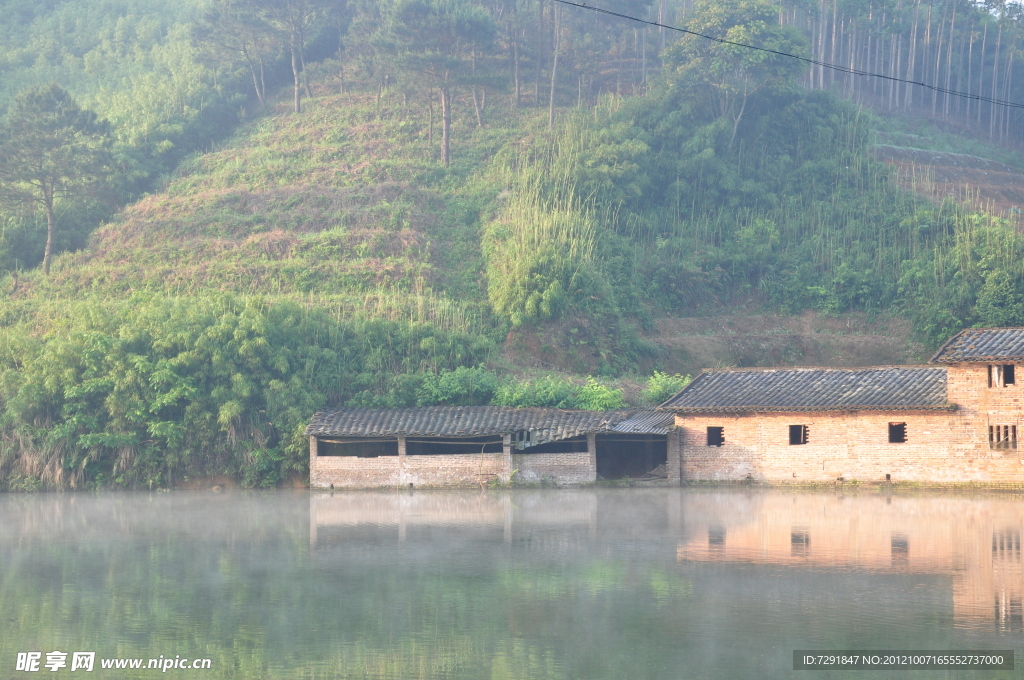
631,455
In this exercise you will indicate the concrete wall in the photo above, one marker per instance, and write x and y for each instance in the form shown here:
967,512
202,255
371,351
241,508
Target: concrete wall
851,445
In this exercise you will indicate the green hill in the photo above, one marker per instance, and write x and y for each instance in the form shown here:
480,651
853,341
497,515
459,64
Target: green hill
331,257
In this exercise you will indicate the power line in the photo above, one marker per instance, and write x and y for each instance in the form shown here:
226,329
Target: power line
808,60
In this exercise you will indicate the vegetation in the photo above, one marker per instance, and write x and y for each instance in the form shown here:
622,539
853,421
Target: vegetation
554,392
587,178
144,391
51,149
661,386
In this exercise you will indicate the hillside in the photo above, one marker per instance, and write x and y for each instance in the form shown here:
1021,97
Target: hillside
343,200
588,251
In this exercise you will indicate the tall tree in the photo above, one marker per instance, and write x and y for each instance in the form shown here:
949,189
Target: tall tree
295,21
732,75
436,40
51,148
233,29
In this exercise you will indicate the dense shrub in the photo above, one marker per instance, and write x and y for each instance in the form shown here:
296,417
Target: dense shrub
661,386
596,396
549,391
462,387
144,392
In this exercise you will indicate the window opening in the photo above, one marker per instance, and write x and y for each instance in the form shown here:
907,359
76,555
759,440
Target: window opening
798,434
1002,436
716,436
897,433
1001,375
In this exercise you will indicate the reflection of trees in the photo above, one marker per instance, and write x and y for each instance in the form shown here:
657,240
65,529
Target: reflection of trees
248,593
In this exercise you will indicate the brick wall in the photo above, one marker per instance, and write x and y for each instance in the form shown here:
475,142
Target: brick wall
353,472
465,470
558,468
851,445
981,406
433,471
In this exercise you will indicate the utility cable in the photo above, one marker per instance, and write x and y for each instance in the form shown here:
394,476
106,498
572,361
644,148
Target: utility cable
808,60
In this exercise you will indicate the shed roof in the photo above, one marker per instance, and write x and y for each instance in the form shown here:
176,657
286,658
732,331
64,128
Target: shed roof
982,344
646,422
814,389
546,424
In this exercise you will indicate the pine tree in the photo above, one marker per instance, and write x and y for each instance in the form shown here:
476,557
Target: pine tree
51,148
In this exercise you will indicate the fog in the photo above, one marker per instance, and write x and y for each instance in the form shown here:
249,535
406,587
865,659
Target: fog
596,583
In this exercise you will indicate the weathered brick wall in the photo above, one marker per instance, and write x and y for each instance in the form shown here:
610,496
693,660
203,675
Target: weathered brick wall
433,471
467,469
981,406
674,457
853,446
353,472
558,468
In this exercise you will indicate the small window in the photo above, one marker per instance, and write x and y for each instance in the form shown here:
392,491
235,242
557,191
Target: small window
798,434
523,439
897,433
1001,375
716,436
1002,436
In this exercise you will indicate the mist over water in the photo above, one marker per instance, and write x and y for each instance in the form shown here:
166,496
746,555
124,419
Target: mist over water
588,583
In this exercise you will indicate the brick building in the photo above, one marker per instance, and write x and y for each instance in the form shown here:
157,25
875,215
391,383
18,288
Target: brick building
953,421
472,445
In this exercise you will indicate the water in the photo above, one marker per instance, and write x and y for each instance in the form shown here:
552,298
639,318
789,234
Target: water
539,584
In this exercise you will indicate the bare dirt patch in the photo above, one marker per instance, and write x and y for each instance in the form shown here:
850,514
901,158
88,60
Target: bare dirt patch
980,182
692,344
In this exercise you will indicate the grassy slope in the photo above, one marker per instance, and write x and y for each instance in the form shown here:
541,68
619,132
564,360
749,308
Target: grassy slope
348,203
344,199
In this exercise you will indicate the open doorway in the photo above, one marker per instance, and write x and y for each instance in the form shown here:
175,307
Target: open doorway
633,456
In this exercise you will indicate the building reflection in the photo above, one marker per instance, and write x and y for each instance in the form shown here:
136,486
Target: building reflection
550,519
975,541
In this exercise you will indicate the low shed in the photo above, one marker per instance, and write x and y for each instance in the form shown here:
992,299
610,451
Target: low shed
471,445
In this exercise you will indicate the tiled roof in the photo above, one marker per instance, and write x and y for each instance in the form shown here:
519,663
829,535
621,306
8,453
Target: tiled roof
646,422
983,344
814,389
546,424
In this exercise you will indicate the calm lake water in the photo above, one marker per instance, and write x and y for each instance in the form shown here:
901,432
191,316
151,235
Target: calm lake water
538,584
